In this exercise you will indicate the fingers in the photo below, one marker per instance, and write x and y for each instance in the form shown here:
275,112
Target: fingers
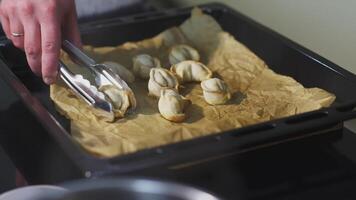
32,45
32,37
50,45
40,22
5,26
6,7
16,27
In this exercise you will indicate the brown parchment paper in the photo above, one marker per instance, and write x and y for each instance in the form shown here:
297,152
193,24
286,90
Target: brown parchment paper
258,94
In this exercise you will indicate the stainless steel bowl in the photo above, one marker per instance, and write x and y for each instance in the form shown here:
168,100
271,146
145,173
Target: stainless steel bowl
36,192
132,189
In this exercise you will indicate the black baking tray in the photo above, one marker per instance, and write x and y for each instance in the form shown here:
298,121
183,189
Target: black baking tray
38,140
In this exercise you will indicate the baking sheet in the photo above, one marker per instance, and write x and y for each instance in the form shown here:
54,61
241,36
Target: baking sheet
258,94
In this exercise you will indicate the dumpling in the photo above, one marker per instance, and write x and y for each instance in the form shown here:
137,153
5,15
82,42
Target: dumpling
215,91
171,105
181,53
122,71
121,100
143,63
160,79
188,71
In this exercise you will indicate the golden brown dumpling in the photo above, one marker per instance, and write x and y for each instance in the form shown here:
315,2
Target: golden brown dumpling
181,53
121,100
143,63
122,71
215,91
188,71
161,79
171,105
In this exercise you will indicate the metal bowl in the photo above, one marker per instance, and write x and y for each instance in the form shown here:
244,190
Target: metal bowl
132,189
37,192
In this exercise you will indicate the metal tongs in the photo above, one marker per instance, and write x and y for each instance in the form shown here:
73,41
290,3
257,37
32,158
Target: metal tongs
84,89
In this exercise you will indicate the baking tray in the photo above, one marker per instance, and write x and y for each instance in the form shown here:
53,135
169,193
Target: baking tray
38,140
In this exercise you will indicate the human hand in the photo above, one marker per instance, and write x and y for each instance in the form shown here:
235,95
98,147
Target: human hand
37,27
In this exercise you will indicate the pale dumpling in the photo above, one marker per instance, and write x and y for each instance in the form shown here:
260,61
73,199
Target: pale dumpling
215,91
161,79
190,71
171,105
121,100
181,53
143,63
122,71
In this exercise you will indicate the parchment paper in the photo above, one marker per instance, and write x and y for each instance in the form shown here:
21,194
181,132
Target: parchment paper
259,94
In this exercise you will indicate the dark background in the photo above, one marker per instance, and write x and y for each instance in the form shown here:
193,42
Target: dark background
7,172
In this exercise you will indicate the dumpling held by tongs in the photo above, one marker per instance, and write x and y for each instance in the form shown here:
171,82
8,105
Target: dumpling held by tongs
110,96
121,100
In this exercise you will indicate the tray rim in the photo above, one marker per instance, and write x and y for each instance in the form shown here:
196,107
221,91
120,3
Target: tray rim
68,144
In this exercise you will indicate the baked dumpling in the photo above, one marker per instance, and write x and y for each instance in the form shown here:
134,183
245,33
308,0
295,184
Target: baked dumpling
171,105
143,63
188,71
181,53
160,79
122,71
215,91
121,100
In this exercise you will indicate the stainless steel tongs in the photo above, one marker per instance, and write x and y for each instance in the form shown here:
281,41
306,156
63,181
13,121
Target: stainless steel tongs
84,89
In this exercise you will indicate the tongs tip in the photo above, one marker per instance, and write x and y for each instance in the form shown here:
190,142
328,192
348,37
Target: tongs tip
103,76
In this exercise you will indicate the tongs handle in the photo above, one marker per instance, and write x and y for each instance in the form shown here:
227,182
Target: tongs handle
77,54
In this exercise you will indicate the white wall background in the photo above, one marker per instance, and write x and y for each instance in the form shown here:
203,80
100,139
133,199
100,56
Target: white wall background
327,27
